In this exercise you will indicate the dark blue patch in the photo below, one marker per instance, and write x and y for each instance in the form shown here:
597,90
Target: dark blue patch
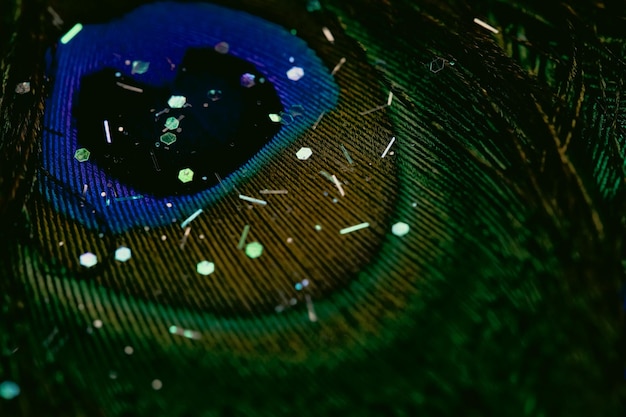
161,34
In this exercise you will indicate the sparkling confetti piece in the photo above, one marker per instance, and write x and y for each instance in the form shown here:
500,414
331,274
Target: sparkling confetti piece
346,154
254,250
244,235
169,138
338,185
71,33
252,200
354,228
185,175
166,110
88,259
214,95
187,333
393,139
273,192
327,176
123,254
56,19
275,117
129,87
310,308
155,162
222,47
485,25
317,122
82,155
247,80
171,123
437,65
140,67
375,109
400,229
183,241
172,65
328,34
304,153
295,73
129,198
22,88
338,66
205,268
190,218
177,102
107,131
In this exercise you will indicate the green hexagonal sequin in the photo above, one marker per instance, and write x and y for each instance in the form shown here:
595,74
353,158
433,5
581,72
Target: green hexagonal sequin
185,175
82,155
254,250
168,138
172,123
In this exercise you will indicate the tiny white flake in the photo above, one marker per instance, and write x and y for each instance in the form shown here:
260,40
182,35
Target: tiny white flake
295,73
393,139
328,34
485,25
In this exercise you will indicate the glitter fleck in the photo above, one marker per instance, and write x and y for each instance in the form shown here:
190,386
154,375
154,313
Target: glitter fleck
222,47
122,254
214,95
400,229
304,153
171,123
140,67
82,155
88,259
247,80
177,102
205,268
295,73
185,175
22,88
71,33
254,250
168,138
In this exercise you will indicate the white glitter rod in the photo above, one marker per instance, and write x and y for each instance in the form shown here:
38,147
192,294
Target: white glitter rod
393,139
252,200
485,25
190,218
354,228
